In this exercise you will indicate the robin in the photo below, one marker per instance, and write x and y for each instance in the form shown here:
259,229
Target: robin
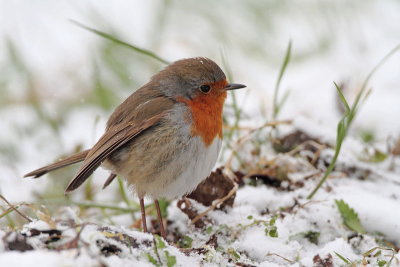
164,139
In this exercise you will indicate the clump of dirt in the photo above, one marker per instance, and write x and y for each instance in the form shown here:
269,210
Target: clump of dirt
108,249
395,150
323,262
215,187
16,241
291,141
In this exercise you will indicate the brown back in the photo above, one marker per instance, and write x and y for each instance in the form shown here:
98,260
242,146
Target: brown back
139,112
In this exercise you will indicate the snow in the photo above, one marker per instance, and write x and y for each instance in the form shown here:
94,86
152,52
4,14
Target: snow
45,258
332,41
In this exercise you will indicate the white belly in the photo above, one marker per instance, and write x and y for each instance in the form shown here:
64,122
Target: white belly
196,165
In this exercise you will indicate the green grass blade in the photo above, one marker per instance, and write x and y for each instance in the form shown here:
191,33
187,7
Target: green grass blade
237,112
282,101
8,211
369,76
342,258
115,40
340,135
342,98
285,63
122,192
102,206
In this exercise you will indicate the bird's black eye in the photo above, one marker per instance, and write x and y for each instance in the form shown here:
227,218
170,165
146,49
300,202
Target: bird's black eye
205,88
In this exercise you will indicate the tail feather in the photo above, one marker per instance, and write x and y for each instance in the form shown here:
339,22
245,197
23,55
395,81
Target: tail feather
109,180
75,158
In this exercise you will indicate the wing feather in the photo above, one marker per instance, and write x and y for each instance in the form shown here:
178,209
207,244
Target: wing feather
114,138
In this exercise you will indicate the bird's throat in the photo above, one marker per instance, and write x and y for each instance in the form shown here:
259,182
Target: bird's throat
206,115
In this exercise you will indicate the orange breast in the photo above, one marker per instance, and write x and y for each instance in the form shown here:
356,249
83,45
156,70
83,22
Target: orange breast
207,115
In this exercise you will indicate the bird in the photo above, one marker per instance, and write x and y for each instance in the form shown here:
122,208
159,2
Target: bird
164,139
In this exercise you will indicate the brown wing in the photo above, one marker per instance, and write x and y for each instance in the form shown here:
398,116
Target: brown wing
75,158
139,106
113,139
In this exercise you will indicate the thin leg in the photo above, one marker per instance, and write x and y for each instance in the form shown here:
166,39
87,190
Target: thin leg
143,215
160,220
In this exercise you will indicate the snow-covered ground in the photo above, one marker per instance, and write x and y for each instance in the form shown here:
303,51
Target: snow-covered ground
337,41
308,231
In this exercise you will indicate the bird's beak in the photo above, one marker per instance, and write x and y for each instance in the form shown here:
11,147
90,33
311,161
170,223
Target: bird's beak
234,86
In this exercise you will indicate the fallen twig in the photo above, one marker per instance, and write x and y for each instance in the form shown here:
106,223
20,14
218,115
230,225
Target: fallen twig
15,209
286,259
215,204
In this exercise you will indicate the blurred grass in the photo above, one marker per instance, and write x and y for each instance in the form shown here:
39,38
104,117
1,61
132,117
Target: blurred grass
120,42
263,18
278,102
